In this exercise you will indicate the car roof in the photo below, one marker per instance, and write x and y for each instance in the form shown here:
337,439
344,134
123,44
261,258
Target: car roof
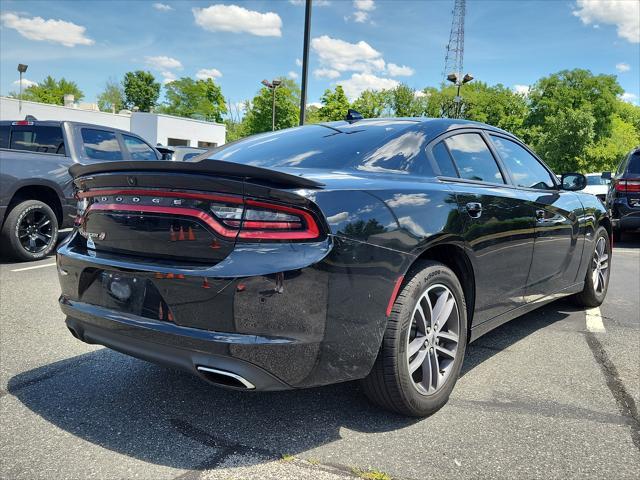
433,126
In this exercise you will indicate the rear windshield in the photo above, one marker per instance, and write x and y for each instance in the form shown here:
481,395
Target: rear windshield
634,163
596,180
35,138
377,146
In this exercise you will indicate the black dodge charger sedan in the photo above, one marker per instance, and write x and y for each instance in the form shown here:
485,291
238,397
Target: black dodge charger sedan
371,249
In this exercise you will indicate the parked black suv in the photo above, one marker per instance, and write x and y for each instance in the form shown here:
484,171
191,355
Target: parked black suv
36,193
623,199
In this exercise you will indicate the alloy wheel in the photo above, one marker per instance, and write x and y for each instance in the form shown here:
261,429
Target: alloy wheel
35,231
600,263
432,343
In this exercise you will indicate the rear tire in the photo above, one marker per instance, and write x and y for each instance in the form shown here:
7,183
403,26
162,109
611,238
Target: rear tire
30,231
413,375
596,281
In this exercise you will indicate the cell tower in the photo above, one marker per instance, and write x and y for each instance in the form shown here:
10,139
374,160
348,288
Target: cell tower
455,47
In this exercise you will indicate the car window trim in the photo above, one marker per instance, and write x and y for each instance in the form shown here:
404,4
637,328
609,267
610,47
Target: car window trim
527,149
507,178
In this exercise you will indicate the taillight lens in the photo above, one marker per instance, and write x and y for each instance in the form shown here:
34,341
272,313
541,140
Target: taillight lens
229,216
628,186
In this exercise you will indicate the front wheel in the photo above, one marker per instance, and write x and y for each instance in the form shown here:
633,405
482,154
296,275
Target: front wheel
424,344
30,231
596,281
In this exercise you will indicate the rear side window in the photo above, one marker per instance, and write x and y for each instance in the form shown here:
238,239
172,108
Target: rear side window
101,144
634,164
444,160
525,169
34,138
473,158
138,149
4,136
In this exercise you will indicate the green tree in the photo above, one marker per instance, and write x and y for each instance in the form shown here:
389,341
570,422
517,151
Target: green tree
52,91
608,152
112,97
564,139
406,102
187,97
372,103
575,90
258,114
140,90
629,113
312,115
335,105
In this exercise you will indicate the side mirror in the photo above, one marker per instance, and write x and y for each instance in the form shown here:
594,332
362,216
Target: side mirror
573,182
606,175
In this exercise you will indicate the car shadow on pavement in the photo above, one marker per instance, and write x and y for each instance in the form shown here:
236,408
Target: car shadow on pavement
170,418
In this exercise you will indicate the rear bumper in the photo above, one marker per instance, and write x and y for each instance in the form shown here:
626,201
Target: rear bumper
280,315
165,344
625,216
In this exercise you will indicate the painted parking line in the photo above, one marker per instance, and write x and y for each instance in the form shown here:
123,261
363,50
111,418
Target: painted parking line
33,268
594,320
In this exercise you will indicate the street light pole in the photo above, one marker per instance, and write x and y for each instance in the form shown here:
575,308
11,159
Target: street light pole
21,69
458,82
305,60
272,85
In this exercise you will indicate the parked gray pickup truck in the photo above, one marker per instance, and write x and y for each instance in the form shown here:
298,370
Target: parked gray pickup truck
36,194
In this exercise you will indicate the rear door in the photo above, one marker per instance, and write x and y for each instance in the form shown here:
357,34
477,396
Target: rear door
558,241
499,221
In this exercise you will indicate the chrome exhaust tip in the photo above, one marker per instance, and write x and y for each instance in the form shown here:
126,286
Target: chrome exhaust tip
224,378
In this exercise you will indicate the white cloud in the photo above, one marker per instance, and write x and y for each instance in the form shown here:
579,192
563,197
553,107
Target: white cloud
168,76
163,7
205,73
363,9
344,56
522,89
25,83
629,97
298,62
399,70
162,62
232,18
419,94
326,73
314,104
37,28
293,74
359,82
624,14
623,67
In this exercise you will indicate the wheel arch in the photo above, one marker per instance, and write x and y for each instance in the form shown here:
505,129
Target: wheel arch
42,192
455,256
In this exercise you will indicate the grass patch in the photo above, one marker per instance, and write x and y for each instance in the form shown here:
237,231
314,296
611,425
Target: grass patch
371,474
288,458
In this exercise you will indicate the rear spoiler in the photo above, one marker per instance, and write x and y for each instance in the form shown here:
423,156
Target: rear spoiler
203,167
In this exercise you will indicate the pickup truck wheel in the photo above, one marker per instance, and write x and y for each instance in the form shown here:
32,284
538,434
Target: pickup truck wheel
30,231
423,346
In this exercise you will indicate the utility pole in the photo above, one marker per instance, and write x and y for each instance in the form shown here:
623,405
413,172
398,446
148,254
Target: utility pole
454,59
305,60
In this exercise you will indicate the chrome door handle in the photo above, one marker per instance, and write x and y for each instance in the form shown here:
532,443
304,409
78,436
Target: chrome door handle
474,209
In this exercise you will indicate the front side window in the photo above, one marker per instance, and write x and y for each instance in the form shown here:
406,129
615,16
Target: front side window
473,158
34,138
138,149
101,144
525,169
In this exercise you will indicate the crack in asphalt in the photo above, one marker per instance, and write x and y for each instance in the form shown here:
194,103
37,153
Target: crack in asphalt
228,448
626,404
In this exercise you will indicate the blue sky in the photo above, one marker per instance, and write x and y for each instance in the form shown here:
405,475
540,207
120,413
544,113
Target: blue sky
359,44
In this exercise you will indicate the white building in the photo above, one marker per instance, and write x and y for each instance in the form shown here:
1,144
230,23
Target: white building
153,127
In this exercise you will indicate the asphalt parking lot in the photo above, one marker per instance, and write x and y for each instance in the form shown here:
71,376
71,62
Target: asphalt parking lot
553,394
